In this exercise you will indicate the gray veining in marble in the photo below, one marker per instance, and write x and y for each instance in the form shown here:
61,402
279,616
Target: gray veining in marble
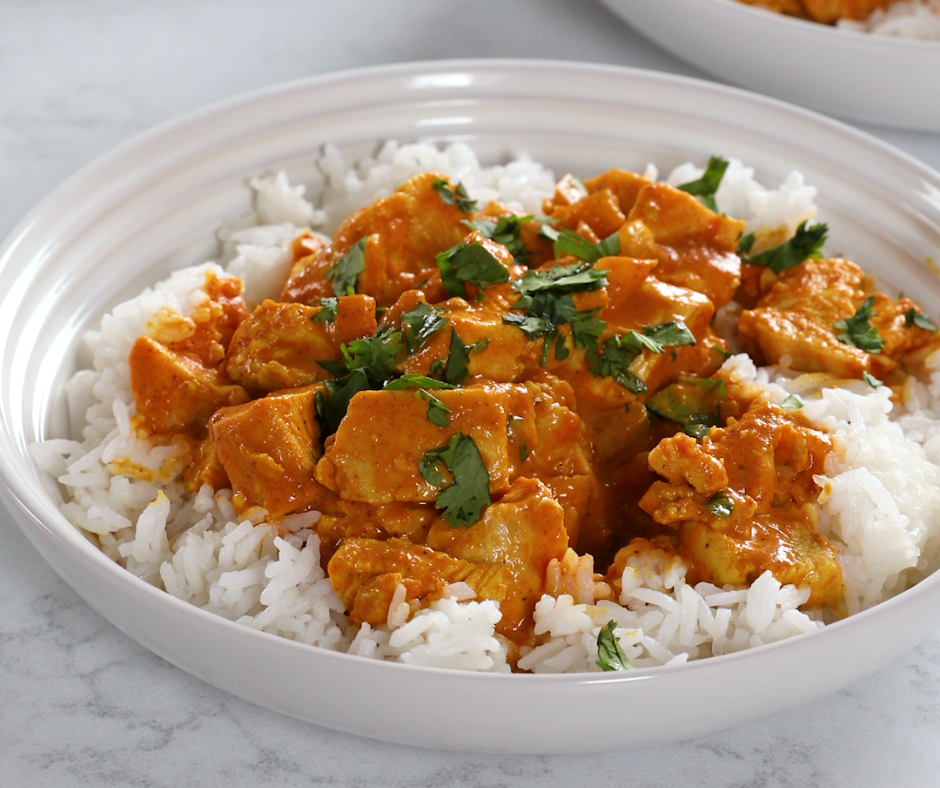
83,705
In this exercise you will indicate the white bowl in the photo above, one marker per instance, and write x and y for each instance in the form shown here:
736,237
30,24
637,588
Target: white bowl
153,204
869,78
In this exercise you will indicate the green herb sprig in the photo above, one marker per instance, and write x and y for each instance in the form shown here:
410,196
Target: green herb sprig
469,263
705,187
610,655
805,244
457,197
858,330
463,501
345,272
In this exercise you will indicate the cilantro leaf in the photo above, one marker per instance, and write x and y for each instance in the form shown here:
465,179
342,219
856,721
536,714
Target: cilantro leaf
339,393
720,505
377,354
457,360
914,318
560,279
412,380
871,380
705,187
368,364
613,362
792,401
610,655
437,410
336,368
675,333
690,401
457,197
462,501
420,323
858,330
345,272
505,231
721,351
568,242
469,262
620,351
327,311
805,244
746,243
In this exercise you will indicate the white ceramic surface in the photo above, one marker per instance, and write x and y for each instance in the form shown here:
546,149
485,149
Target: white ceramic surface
873,79
153,204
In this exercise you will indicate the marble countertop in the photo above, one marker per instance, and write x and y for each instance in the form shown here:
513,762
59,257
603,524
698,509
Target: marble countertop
83,705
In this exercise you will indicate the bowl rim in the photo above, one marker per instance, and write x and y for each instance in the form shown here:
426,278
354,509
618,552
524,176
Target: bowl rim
33,507
829,33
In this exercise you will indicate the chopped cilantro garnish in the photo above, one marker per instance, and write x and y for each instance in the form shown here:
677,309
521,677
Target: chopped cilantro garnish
690,401
721,351
367,365
458,358
420,323
377,354
339,392
610,655
545,311
327,311
720,505
504,231
457,197
345,272
469,262
613,362
437,410
462,501
620,351
805,244
560,279
705,187
546,303
858,330
746,243
792,401
336,368
914,318
569,242
412,380
871,380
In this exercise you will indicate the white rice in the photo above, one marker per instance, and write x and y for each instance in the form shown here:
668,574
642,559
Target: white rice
127,495
919,19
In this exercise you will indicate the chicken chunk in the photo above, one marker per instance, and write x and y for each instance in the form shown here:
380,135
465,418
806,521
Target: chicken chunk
405,232
269,449
522,532
378,448
281,344
697,246
175,394
797,317
600,211
551,444
204,334
625,186
744,502
364,574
